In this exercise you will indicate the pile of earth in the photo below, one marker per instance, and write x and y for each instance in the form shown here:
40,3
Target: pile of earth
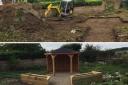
19,25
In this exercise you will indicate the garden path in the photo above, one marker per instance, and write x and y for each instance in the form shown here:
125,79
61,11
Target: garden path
60,79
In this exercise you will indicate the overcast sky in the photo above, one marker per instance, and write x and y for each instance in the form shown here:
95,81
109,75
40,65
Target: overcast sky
103,45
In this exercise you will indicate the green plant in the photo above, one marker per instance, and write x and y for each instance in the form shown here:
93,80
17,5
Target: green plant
19,14
12,62
125,4
93,2
109,7
32,1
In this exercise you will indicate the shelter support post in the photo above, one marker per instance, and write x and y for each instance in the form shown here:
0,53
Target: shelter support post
78,63
47,62
53,63
71,67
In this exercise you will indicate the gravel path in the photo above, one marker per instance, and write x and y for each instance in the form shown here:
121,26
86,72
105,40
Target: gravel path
60,79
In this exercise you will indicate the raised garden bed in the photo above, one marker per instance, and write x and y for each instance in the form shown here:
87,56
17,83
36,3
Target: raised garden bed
86,78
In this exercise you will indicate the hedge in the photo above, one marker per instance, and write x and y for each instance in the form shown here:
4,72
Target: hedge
44,4
93,2
21,55
125,4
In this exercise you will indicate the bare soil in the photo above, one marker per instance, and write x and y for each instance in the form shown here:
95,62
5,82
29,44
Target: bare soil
21,25
102,29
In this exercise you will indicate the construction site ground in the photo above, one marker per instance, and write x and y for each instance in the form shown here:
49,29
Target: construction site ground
24,22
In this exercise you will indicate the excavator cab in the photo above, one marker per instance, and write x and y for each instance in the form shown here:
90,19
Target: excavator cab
64,9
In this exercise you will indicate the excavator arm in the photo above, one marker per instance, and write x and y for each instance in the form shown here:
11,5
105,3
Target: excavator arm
64,9
52,11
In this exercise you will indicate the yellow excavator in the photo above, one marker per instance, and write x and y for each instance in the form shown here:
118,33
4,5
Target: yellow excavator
64,9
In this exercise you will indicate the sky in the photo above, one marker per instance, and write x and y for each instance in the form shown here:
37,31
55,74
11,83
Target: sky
1,2
103,45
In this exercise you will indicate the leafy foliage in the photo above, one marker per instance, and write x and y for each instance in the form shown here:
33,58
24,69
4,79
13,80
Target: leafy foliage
113,74
125,4
90,53
21,51
45,3
75,47
109,7
12,62
94,53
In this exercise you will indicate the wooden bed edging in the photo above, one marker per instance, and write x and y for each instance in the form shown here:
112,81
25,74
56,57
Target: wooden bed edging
35,79
96,76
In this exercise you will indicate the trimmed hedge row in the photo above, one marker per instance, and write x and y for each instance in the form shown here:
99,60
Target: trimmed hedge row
45,3
93,2
21,55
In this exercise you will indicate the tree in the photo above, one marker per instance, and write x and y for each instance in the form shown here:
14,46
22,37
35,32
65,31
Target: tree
75,46
90,53
23,47
13,53
21,51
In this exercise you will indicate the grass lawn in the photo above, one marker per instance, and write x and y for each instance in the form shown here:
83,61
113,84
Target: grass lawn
16,74
112,74
13,77
105,68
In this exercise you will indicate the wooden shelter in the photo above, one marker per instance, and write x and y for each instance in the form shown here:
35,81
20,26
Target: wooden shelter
62,60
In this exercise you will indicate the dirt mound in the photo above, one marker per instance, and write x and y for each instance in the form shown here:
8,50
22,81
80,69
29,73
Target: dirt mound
20,20
17,23
20,25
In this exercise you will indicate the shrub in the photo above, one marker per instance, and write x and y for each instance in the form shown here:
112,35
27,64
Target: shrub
76,2
93,2
12,62
32,1
125,4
